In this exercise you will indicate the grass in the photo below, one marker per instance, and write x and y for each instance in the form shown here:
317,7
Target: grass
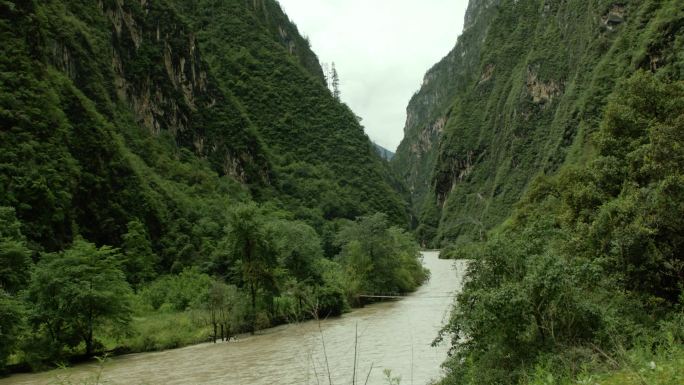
161,331
642,365
645,368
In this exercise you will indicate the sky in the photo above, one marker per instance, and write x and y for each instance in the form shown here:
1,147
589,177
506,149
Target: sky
381,49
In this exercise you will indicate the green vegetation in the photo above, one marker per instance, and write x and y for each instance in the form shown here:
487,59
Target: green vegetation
172,173
254,262
322,159
378,259
266,271
75,292
589,264
547,148
162,164
522,94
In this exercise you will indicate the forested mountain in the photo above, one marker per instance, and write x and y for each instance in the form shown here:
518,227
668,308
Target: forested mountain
521,94
168,155
547,148
118,110
174,172
259,56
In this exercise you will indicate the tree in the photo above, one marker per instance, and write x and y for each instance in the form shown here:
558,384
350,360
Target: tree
379,259
298,247
140,261
326,74
11,320
15,264
15,261
77,291
335,81
225,306
254,260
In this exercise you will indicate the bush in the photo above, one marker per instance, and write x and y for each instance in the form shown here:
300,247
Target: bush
177,292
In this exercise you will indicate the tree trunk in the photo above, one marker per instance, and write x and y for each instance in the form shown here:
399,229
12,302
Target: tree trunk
252,292
89,340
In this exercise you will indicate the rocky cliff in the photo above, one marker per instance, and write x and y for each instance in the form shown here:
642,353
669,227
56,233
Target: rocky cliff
431,107
520,95
167,112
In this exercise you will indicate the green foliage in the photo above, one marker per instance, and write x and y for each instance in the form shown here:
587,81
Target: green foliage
590,258
11,321
378,259
226,307
285,96
15,265
156,136
15,261
85,150
251,253
160,331
522,94
298,248
139,259
656,358
75,292
176,292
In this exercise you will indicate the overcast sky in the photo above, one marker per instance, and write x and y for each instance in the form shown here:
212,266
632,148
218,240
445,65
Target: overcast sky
382,49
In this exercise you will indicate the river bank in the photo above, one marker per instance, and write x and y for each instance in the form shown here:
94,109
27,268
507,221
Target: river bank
391,335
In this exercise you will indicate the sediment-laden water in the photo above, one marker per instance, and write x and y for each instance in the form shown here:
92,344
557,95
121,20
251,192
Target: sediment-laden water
392,335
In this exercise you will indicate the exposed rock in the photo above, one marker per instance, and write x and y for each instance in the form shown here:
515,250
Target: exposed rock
120,19
614,17
475,9
541,92
487,73
62,59
459,168
428,137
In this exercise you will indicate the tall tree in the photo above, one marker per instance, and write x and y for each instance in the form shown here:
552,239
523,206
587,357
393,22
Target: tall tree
253,257
15,264
335,82
77,291
378,258
15,261
11,320
298,247
140,261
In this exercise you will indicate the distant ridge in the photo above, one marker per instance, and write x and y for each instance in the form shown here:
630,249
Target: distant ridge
383,152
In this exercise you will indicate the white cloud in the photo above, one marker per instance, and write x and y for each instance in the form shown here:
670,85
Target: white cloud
382,49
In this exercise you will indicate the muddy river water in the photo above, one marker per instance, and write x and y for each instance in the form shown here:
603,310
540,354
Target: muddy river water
393,335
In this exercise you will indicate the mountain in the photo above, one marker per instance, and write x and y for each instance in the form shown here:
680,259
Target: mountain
547,149
257,54
384,153
522,94
168,114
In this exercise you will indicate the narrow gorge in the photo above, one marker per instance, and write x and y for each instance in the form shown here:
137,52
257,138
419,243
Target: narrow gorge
184,178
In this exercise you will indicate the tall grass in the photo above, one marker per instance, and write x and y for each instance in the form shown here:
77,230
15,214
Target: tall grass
161,330
655,360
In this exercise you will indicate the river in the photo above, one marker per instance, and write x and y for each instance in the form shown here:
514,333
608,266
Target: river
393,335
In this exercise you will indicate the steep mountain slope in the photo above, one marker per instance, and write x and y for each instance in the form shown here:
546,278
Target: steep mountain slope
95,97
258,55
520,95
429,109
118,110
549,148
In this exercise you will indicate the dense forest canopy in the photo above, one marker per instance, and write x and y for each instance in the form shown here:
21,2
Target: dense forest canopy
164,162
546,148
173,172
